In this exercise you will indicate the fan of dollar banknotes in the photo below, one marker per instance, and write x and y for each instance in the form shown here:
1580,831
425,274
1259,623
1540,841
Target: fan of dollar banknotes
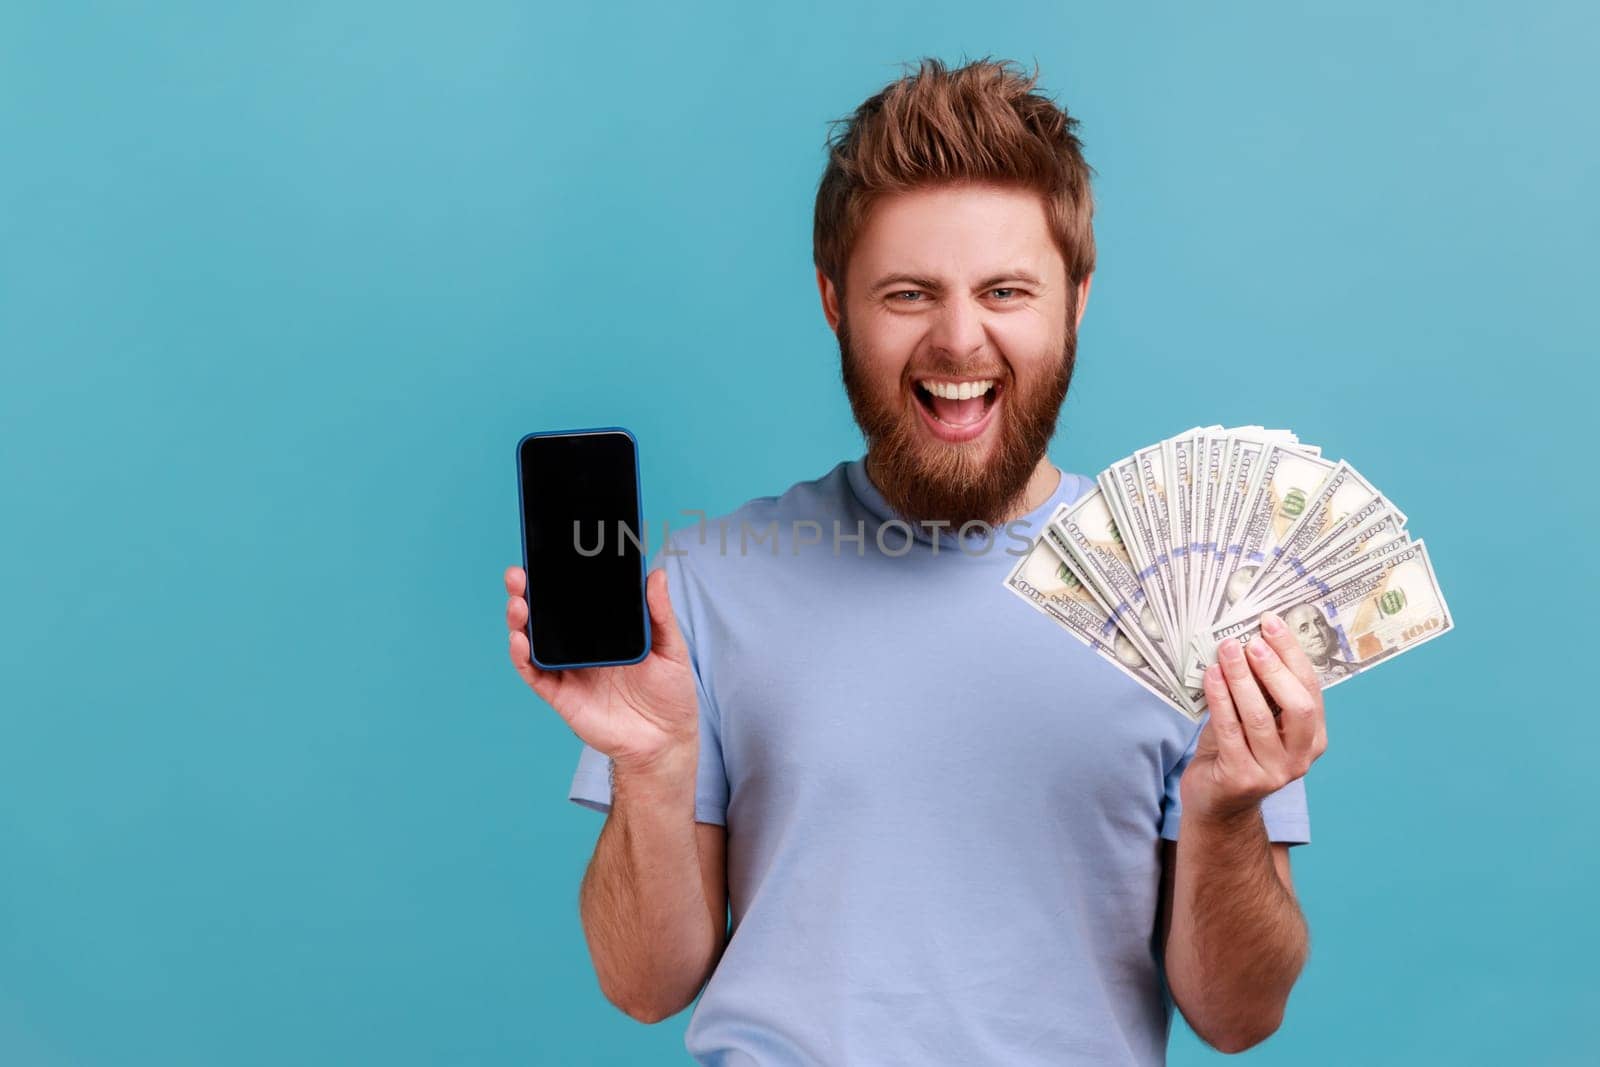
1184,544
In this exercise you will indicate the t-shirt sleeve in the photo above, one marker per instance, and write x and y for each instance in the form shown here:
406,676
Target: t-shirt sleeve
1288,821
591,782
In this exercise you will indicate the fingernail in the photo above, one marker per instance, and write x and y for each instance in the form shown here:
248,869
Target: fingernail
1259,650
1229,649
1271,624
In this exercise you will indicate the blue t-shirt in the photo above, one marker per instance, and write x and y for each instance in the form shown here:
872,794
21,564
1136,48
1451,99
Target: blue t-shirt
943,812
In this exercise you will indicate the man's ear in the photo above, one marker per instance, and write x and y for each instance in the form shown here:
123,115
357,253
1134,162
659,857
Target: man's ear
1083,298
830,300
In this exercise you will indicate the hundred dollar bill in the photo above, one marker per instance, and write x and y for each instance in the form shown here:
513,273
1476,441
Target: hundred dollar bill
1127,624
1313,584
1248,491
1308,584
1121,485
1239,478
1213,450
1195,536
1381,611
1373,524
1177,460
1090,535
1044,580
1150,466
1290,480
1341,495
1286,480
1283,565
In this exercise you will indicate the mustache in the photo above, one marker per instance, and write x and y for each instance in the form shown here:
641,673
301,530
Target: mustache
1000,376
952,370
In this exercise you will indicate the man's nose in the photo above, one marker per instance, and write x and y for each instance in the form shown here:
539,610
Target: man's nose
957,330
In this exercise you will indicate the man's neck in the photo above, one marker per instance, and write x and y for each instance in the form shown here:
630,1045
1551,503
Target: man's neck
1044,481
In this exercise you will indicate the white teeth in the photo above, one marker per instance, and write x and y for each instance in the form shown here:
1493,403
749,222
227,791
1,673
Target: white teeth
959,391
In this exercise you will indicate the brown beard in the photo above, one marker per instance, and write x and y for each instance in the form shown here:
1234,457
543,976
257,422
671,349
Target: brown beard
948,482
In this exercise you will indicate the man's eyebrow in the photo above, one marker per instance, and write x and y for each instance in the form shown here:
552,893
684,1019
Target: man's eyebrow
905,279
928,283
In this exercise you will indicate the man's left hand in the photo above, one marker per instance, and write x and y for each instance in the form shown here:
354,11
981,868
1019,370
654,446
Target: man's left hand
1245,752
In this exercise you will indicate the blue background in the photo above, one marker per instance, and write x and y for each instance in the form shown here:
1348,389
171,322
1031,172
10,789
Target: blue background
282,284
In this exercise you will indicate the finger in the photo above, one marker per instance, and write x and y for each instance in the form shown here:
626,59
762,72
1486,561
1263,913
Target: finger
516,613
545,683
1288,649
1260,729
665,638
1276,631
1226,731
1298,718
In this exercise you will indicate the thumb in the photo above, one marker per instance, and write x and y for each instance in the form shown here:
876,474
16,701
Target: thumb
665,638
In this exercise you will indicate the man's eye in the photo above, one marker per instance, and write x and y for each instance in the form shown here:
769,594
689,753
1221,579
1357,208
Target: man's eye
913,295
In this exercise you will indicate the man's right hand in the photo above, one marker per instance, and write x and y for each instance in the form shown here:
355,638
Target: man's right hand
641,715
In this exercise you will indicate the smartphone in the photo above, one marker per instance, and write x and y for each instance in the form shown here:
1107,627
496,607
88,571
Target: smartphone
582,548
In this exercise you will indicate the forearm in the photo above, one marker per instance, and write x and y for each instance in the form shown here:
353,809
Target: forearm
1238,939
643,904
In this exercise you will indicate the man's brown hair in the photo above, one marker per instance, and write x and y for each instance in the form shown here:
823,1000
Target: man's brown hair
980,122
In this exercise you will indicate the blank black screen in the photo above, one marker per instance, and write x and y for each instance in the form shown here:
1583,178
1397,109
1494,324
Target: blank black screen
584,606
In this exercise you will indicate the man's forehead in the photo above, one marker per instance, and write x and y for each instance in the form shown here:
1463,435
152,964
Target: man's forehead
926,257
956,234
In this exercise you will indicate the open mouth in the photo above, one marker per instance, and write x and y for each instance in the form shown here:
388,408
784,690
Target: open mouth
957,409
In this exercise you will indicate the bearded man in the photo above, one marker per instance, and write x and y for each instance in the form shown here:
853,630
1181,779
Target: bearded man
947,834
